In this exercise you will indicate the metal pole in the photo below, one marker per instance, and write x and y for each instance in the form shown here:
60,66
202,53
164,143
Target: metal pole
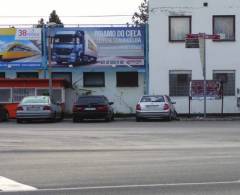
204,76
50,65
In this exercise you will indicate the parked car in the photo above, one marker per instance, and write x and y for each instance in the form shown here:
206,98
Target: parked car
93,107
155,107
3,113
38,107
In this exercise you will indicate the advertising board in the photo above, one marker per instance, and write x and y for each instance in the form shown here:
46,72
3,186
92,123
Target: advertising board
98,47
20,48
197,90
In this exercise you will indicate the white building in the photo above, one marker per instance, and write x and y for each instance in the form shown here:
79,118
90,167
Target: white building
172,66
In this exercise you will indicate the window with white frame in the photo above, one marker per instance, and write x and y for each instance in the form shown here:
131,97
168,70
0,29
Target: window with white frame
228,80
179,27
179,82
19,93
5,95
225,27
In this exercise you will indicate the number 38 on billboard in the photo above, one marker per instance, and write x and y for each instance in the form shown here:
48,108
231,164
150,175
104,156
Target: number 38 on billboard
28,34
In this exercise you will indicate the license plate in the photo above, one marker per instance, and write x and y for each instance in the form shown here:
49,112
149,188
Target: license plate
90,109
33,108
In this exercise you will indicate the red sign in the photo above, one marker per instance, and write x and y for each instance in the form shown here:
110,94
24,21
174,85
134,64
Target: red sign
213,89
203,35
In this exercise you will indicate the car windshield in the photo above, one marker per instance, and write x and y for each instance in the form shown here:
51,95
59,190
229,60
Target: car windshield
91,100
58,39
35,100
152,99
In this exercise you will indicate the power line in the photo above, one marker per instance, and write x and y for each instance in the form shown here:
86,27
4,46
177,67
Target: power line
83,16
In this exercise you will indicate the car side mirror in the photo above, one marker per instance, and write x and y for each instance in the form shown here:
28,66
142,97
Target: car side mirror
111,103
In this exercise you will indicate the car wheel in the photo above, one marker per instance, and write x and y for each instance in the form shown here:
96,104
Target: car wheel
108,118
75,119
169,118
112,119
138,119
6,117
19,120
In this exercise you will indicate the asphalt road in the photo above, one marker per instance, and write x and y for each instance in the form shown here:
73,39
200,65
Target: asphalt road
123,157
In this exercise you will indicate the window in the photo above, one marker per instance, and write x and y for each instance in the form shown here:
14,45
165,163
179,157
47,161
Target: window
179,27
62,75
179,83
2,75
127,79
56,94
27,75
228,80
5,95
93,79
225,27
20,93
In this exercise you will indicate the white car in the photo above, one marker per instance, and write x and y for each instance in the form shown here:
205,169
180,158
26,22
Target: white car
38,107
155,107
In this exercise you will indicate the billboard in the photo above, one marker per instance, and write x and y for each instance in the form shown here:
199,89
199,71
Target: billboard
98,47
214,90
20,48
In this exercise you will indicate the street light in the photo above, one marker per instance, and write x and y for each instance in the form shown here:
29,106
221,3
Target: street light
50,25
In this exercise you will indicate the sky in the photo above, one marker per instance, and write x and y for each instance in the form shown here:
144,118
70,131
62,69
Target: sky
68,8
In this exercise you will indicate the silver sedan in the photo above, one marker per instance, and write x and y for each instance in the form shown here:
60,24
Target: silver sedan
38,107
155,107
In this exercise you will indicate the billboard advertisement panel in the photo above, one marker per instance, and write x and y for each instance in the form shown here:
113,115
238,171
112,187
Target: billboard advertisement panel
20,48
98,47
214,90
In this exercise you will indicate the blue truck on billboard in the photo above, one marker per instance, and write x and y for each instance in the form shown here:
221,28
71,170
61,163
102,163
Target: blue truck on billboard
74,47
20,48
98,46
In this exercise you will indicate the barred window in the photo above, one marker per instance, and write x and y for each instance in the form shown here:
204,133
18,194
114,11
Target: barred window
179,82
228,80
179,27
225,27
20,93
5,95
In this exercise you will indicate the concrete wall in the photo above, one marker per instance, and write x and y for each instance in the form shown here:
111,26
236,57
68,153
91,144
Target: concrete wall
165,56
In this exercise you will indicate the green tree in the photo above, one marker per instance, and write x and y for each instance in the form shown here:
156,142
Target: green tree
141,17
41,23
55,18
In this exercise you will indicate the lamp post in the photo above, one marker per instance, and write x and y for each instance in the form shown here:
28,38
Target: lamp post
50,25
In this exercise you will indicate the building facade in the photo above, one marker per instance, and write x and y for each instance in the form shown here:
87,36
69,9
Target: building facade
172,66
106,61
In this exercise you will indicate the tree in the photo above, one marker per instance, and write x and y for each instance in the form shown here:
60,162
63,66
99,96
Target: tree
54,18
141,17
41,23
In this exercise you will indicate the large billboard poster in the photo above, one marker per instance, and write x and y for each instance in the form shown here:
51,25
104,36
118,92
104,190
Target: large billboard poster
98,47
20,48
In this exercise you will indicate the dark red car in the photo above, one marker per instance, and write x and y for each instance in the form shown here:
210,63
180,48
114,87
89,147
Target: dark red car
93,107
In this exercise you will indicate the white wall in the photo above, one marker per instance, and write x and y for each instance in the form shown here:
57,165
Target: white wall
165,56
124,98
